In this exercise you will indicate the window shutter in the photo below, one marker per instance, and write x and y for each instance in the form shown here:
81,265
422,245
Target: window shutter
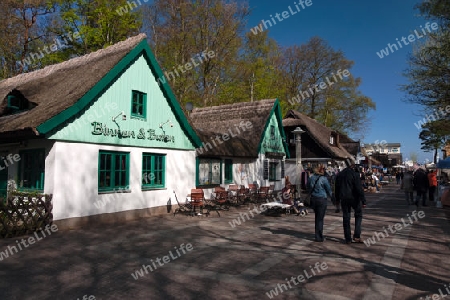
282,169
266,169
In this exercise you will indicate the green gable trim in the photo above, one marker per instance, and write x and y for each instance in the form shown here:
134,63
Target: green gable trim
108,79
276,109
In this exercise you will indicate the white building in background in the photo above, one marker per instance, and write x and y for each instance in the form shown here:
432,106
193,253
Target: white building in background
383,148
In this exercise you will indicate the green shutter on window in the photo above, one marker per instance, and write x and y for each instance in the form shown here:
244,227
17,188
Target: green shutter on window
228,171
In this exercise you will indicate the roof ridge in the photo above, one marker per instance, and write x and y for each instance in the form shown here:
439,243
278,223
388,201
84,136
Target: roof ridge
76,61
235,105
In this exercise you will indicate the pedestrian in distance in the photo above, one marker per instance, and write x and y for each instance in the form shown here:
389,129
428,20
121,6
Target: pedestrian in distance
397,177
432,182
408,187
287,195
350,194
362,176
331,176
376,182
421,184
319,187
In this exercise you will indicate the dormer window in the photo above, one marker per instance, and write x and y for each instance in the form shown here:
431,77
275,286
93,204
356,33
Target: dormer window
334,138
14,103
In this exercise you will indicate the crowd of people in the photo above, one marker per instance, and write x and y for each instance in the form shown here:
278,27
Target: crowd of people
421,181
346,186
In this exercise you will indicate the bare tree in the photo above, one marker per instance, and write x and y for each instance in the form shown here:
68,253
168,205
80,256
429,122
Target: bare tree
183,31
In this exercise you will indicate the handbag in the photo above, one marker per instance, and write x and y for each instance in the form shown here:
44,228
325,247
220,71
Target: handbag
307,201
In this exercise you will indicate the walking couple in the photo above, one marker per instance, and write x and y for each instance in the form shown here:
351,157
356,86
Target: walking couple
348,192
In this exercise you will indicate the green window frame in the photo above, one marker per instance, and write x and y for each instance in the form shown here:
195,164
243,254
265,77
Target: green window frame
113,170
32,170
153,170
138,104
16,104
209,171
228,176
272,171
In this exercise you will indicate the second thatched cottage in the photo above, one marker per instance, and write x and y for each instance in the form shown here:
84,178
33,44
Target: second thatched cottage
242,143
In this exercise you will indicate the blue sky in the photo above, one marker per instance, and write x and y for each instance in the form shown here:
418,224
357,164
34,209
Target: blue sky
360,29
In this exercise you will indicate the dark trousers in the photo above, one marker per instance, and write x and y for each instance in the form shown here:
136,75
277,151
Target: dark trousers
320,207
347,211
409,198
431,191
423,195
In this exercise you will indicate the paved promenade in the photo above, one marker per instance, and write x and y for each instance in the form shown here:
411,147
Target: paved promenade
262,258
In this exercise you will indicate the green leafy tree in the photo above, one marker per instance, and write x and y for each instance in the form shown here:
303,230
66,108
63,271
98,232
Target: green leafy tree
257,74
319,83
433,136
429,70
100,23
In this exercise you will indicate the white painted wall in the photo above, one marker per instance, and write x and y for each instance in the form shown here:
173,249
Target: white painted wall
246,171
73,168
291,171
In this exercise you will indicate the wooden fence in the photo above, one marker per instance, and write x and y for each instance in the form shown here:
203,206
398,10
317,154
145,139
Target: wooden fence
24,213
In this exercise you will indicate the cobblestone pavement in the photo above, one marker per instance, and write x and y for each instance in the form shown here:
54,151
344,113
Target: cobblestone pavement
262,258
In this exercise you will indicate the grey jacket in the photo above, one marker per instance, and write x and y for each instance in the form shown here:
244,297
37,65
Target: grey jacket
407,183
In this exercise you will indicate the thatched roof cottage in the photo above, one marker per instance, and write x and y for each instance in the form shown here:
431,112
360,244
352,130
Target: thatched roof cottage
242,143
103,133
319,144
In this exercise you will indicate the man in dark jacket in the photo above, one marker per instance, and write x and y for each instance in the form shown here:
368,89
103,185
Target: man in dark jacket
350,194
421,186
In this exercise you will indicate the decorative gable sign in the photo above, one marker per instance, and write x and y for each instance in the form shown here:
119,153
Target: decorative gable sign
150,134
273,145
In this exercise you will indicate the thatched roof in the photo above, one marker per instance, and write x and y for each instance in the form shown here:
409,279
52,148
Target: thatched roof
210,122
373,160
352,146
57,87
318,132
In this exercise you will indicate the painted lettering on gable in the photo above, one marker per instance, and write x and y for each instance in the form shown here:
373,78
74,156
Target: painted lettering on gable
102,129
273,145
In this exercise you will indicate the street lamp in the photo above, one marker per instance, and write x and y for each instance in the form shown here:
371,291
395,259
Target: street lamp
298,155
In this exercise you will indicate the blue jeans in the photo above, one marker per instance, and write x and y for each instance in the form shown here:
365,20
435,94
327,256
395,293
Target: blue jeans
347,211
320,207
